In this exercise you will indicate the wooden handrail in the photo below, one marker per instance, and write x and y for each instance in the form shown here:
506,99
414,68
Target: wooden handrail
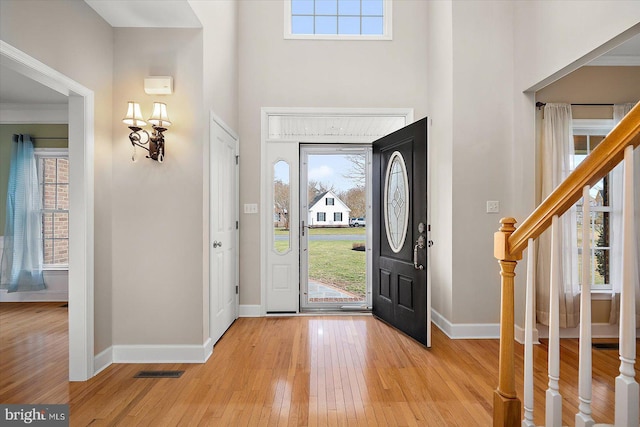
600,162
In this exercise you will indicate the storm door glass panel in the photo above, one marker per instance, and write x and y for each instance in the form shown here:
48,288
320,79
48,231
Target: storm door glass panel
281,204
335,257
396,202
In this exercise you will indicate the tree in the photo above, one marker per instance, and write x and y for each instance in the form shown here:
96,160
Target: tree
281,200
356,199
316,188
358,170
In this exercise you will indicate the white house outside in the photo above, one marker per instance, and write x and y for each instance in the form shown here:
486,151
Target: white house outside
327,210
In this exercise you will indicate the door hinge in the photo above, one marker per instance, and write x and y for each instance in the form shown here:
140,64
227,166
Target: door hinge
236,289
237,225
237,159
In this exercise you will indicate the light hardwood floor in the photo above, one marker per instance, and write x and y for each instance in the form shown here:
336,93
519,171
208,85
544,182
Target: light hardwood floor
286,371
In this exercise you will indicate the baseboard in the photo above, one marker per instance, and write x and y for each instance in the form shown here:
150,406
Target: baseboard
598,330
519,335
458,331
102,360
250,311
163,353
35,296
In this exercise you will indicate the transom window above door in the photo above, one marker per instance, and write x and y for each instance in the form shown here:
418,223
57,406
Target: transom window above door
338,19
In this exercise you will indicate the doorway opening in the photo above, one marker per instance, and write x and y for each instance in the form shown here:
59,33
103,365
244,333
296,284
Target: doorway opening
335,242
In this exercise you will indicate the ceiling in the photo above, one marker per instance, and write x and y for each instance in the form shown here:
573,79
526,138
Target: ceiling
17,89
138,13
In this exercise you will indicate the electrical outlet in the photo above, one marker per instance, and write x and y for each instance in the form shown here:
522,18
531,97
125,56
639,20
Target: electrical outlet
493,206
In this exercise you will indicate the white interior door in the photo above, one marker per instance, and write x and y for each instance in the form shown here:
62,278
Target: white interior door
223,278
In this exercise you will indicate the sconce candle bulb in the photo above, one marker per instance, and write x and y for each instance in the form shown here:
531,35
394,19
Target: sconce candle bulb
139,137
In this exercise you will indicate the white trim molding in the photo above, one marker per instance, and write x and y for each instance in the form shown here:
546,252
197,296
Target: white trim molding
250,310
81,204
598,330
387,27
519,335
181,353
45,295
153,354
459,331
324,135
103,360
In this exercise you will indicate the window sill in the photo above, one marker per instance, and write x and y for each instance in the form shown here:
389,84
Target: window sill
55,268
601,295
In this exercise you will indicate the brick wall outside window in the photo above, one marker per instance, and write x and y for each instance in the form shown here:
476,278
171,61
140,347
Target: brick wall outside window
53,174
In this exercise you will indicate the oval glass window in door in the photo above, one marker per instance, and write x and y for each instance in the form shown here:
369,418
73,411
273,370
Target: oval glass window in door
396,202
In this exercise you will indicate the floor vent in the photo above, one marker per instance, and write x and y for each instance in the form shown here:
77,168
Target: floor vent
159,374
606,345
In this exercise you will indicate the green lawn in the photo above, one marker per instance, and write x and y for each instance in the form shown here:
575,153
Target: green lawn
356,231
334,261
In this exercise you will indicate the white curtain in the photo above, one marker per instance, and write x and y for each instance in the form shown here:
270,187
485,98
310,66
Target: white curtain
557,163
21,264
619,111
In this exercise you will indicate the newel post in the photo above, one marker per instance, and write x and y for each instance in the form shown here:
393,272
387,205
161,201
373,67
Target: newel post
506,405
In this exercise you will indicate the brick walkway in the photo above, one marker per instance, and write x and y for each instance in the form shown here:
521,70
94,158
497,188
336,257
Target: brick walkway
321,292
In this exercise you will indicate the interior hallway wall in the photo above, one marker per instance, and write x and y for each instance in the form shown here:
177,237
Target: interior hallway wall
546,42
220,94
275,72
71,38
158,207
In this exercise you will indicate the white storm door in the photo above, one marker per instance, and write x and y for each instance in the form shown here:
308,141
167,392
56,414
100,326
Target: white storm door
281,215
223,277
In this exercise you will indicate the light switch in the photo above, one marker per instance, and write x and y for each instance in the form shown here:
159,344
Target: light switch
493,206
250,208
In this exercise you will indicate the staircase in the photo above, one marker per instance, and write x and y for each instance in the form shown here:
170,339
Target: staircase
509,245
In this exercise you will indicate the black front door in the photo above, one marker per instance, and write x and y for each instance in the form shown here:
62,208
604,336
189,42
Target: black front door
400,230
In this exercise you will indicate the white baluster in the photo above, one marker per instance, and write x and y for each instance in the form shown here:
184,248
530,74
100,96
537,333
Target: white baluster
583,417
528,340
553,410
626,385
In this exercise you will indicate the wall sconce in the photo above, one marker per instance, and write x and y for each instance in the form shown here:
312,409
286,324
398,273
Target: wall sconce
139,137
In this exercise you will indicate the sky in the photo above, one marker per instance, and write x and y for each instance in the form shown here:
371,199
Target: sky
327,169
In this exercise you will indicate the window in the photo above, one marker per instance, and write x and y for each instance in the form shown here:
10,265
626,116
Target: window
337,216
322,217
53,177
602,205
329,201
338,19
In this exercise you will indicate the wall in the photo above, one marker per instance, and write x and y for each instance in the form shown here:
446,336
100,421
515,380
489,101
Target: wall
598,85
470,142
71,38
546,40
158,207
220,94
594,85
440,107
482,130
308,73
545,49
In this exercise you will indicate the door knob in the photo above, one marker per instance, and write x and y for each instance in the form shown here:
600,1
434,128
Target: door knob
217,244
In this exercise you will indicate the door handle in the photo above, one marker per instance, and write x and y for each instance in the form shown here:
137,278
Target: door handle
419,245
217,244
